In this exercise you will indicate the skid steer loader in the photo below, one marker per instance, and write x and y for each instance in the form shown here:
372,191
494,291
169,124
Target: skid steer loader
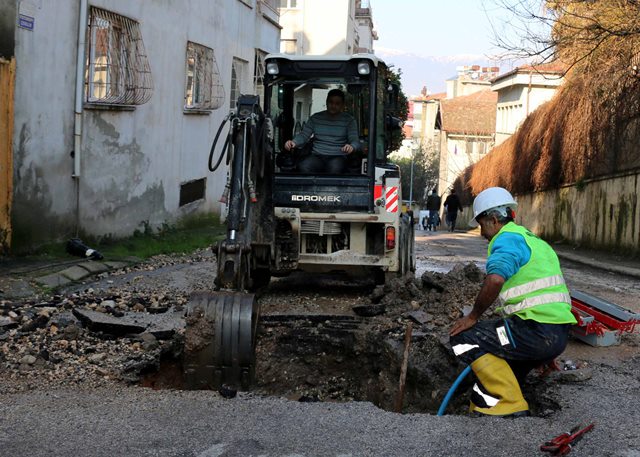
280,220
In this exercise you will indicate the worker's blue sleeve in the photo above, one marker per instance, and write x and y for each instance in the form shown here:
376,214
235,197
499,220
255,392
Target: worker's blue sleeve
508,254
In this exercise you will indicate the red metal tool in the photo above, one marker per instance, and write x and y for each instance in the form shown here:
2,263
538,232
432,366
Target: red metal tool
563,443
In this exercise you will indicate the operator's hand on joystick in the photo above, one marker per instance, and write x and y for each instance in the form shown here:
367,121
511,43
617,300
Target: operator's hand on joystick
347,148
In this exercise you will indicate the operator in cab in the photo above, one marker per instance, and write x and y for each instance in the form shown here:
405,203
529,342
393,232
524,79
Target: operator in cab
524,275
335,136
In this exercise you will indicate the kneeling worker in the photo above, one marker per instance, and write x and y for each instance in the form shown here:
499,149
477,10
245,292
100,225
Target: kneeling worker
523,273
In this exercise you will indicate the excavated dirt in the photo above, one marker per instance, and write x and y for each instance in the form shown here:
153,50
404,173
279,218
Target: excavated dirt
200,330
322,351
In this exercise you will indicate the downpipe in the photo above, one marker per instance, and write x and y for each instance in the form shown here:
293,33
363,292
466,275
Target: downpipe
79,90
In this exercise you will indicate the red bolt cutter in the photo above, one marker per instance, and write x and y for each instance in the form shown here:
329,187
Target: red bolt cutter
562,444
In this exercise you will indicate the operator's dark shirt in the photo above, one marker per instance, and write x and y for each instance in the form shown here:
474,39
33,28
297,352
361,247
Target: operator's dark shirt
331,133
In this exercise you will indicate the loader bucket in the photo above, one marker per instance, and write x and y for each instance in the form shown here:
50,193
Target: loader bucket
220,340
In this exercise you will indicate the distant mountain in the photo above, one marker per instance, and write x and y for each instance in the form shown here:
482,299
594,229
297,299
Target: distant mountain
431,71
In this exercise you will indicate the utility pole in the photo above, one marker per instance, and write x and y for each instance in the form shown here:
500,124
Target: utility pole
411,183
414,149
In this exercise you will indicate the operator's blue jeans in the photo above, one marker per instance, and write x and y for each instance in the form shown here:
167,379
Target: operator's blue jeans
316,163
523,343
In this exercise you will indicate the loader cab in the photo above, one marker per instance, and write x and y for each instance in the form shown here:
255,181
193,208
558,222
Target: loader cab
296,87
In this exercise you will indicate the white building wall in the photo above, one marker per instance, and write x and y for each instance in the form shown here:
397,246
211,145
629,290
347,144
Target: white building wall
457,152
365,35
132,161
518,96
319,27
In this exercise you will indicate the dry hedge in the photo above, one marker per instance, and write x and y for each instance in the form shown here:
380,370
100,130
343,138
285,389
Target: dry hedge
590,128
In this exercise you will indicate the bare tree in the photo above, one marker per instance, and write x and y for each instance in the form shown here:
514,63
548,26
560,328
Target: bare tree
577,32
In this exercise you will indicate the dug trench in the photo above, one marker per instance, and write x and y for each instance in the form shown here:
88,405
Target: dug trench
324,339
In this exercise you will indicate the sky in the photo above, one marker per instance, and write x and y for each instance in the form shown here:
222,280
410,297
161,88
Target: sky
428,39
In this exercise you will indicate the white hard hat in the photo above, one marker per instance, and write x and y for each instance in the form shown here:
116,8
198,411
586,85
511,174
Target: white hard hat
491,198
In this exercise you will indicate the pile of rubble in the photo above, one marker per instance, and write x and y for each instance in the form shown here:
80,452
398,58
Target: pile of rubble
89,339
440,297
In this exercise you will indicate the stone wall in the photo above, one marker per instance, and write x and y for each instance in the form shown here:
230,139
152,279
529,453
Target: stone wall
601,214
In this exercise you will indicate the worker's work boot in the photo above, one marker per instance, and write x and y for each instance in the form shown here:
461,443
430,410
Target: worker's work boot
497,392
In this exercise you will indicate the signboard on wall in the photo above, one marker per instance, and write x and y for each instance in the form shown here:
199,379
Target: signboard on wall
27,14
26,22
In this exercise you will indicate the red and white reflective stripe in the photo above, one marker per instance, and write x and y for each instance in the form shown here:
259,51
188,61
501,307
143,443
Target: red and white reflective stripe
391,199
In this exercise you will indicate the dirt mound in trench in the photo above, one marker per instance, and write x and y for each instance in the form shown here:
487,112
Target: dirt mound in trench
442,296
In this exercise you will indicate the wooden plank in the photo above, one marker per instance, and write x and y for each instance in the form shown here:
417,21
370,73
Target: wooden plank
7,84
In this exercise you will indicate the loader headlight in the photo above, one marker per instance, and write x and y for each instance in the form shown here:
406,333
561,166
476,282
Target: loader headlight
364,68
272,68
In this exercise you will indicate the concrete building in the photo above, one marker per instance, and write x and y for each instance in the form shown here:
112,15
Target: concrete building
468,133
318,27
521,91
470,79
115,107
364,23
426,125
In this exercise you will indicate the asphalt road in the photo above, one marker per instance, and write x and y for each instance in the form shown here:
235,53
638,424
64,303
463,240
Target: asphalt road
133,421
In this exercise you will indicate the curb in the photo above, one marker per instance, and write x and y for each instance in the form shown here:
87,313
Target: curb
594,263
78,272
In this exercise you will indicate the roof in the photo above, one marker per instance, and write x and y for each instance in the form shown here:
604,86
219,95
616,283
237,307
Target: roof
473,114
422,98
550,68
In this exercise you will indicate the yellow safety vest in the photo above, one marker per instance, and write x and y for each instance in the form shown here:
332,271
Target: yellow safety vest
537,291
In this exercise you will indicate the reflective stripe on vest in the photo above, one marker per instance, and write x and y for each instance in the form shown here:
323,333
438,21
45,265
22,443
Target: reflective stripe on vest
529,302
531,286
537,282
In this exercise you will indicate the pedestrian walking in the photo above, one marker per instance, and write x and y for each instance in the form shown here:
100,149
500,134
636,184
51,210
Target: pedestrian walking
433,206
452,206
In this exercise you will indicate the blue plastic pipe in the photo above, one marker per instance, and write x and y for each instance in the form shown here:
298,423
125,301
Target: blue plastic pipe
452,390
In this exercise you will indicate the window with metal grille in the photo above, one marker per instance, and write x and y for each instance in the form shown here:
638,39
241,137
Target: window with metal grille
203,88
117,71
258,73
238,69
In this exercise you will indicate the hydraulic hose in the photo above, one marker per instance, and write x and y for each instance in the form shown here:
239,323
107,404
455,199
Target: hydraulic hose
452,390
213,147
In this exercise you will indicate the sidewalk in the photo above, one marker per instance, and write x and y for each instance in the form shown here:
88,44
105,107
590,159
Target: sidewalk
26,277
599,259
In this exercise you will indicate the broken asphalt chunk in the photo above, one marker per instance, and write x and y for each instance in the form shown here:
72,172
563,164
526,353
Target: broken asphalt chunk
161,326
418,316
100,322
